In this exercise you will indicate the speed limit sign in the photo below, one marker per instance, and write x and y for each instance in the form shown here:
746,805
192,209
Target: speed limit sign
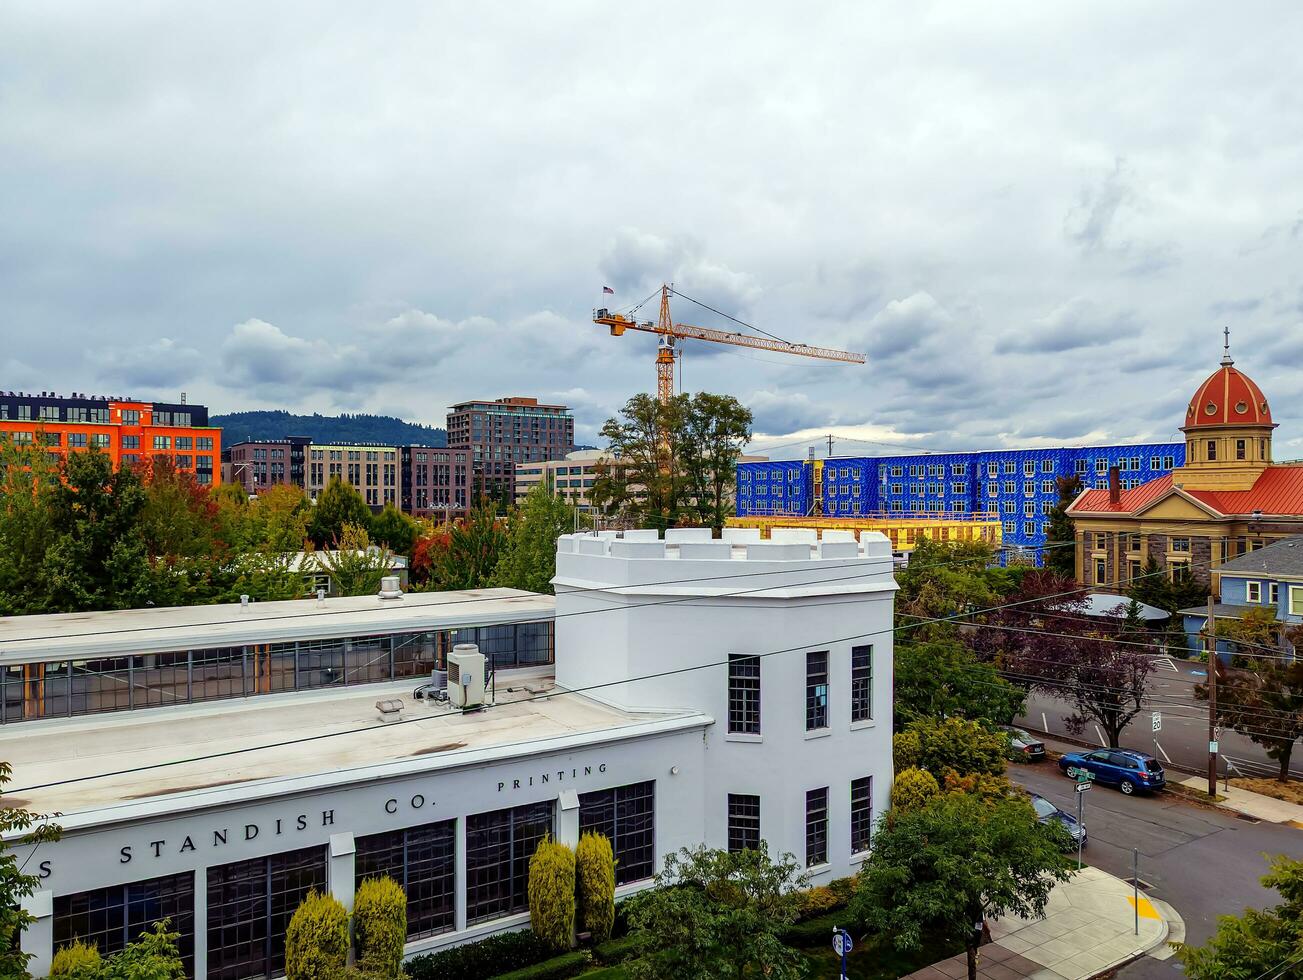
1157,719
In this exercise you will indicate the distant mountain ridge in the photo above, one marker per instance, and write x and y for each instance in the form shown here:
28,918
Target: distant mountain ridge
386,429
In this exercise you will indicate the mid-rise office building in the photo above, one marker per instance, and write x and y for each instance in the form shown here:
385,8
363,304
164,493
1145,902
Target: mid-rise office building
373,470
570,478
435,481
504,433
130,432
262,465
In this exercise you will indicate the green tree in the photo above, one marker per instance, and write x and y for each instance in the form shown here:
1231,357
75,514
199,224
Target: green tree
950,745
153,956
380,926
644,482
529,557
99,558
395,530
1188,588
1263,701
471,554
1151,587
716,915
1061,536
941,870
355,566
179,517
595,874
77,959
913,788
551,890
316,939
1256,945
18,827
262,575
278,520
945,580
28,480
942,678
338,504
715,430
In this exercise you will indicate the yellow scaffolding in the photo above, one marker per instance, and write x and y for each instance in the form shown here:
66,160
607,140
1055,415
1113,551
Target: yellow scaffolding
903,532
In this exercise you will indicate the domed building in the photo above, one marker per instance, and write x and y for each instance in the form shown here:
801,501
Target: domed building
1227,499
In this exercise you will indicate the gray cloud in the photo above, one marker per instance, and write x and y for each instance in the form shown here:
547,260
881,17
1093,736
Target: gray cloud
409,206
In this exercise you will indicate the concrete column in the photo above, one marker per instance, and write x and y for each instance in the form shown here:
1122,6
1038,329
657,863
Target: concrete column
38,938
567,824
201,922
341,876
459,873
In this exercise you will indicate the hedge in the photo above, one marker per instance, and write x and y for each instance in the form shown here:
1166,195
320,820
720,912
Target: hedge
595,875
814,932
617,950
316,940
552,894
482,960
380,926
566,965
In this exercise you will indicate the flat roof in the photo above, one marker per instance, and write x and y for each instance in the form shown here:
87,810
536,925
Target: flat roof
122,632
336,738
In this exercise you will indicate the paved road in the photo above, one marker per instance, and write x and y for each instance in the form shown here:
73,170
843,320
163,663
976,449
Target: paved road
1184,736
1202,861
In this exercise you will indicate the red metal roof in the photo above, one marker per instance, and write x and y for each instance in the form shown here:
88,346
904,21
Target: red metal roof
1228,397
1097,502
1279,490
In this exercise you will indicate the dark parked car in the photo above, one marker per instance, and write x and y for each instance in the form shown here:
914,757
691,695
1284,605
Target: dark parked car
1129,771
1047,812
1024,747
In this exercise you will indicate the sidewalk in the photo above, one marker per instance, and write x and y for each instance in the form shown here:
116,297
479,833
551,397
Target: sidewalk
1089,927
1250,804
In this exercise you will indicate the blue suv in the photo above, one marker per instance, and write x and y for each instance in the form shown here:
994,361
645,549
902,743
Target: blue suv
1129,771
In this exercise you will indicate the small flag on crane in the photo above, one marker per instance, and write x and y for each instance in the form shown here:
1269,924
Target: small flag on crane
608,289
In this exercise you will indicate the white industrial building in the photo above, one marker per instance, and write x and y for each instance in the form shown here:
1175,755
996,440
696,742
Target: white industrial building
718,691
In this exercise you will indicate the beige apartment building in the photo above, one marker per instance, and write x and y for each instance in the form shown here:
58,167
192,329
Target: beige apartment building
372,469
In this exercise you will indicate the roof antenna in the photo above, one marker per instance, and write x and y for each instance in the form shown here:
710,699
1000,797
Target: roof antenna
1227,360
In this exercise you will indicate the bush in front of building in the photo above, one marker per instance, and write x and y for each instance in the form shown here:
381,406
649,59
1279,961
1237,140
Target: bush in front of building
75,958
557,968
482,960
552,894
316,940
913,788
595,871
380,926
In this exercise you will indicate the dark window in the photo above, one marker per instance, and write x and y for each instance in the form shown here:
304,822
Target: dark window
1212,449
498,848
626,815
743,694
816,827
861,813
816,690
249,906
861,683
1240,449
110,918
743,822
422,860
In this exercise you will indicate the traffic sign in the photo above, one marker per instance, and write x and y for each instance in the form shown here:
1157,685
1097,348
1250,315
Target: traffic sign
1083,775
1212,747
1157,718
841,943
1082,787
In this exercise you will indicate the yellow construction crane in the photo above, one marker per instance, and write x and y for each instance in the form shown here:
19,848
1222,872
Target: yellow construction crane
671,333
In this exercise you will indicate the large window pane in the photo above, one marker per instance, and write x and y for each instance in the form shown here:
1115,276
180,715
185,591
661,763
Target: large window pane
110,918
218,673
743,822
249,906
498,848
861,683
743,694
422,860
626,815
816,690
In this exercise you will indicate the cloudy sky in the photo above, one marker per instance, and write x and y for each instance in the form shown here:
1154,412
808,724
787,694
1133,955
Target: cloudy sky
1034,218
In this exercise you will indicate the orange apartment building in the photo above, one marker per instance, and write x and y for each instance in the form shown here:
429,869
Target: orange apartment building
130,432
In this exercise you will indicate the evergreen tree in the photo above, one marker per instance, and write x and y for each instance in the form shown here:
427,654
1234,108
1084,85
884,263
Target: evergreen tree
1061,536
529,558
338,504
395,530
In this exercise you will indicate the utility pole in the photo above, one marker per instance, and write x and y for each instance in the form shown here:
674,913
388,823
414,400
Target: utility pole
830,445
1212,700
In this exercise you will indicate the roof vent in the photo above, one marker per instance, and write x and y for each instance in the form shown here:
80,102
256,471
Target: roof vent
389,588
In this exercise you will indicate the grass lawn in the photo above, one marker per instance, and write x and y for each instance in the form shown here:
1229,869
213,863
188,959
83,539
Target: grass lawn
1291,792
873,960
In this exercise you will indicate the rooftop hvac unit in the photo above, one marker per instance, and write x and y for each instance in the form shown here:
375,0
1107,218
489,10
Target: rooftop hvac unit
466,676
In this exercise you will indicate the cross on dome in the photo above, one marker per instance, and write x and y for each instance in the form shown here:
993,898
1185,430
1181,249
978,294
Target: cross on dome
1227,360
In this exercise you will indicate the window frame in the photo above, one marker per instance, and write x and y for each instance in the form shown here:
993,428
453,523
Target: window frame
861,822
745,694
816,690
861,683
744,830
816,827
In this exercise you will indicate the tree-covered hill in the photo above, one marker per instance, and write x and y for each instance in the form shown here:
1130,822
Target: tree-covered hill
245,426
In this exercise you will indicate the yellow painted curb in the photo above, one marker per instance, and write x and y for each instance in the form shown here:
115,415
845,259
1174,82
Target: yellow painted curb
1147,911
